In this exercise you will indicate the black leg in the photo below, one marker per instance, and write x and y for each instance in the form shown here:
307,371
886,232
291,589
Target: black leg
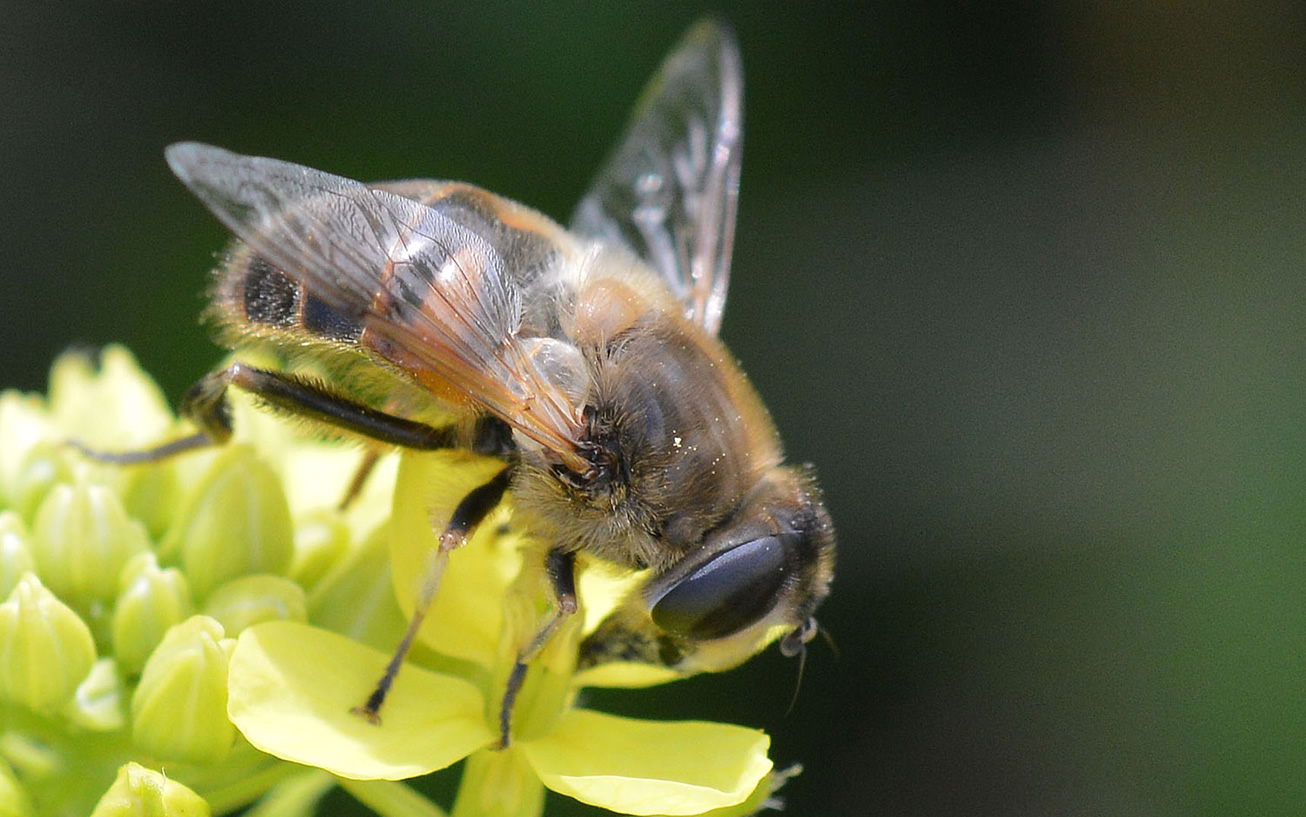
561,567
471,511
160,452
206,406
364,470
306,399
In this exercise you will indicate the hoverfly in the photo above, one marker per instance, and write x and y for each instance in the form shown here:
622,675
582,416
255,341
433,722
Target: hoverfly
586,359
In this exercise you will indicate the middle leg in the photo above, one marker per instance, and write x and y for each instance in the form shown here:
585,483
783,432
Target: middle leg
471,511
561,568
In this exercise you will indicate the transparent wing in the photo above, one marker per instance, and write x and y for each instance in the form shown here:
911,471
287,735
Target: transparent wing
670,189
431,295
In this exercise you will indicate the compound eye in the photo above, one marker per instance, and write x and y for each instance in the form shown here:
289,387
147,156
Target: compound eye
738,587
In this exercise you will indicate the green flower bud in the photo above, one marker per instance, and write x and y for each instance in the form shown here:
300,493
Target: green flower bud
46,650
142,792
150,493
97,704
179,710
321,540
235,521
357,598
81,539
30,758
14,801
150,601
111,405
15,554
24,422
44,467
246,601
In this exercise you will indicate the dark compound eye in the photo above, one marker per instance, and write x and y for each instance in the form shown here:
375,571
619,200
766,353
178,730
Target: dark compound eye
735,589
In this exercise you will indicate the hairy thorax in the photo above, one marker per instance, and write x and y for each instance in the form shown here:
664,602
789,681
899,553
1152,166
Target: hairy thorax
679,432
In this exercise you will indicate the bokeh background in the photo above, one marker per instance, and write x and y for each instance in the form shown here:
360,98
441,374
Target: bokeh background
1023,280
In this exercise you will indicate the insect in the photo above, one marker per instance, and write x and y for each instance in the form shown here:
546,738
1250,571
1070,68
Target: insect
585,358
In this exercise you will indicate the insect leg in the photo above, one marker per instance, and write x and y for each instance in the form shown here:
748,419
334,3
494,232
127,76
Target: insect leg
364,470
491,437
471,511
561,568
206,406
160,452
207,403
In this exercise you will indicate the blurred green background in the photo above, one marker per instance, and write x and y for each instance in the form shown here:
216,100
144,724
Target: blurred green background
1023,280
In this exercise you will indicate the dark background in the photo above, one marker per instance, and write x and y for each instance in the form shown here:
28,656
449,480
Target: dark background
1023,280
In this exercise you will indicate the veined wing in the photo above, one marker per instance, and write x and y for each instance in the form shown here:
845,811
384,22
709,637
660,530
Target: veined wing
432,294
670,190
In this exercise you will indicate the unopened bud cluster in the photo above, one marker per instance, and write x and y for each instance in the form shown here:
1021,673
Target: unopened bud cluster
122,589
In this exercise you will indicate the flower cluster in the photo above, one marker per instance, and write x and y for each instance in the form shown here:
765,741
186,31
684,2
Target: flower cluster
217,614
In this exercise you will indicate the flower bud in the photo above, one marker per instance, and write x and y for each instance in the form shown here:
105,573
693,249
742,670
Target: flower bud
246,601
321,540
142,792
235,521
150,601
15,554
179,710
150,493
46,650
24,422
14,801
107,402
356,598
81,539
31,758
97,705
45,466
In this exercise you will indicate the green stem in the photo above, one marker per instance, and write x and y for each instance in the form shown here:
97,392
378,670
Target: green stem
499,784
295,796
391,798
231,796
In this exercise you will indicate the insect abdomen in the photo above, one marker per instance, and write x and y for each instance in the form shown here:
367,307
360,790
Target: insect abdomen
253,292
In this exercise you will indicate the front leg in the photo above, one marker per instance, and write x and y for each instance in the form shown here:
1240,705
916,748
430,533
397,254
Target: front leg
561,568
471,511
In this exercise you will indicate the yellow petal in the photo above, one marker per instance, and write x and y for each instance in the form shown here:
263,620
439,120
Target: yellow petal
603,588
292,688
317,475
645,767
626,674
466,618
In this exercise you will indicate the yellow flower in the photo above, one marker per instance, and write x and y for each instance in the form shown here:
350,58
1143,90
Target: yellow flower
160,624
122,589
292,686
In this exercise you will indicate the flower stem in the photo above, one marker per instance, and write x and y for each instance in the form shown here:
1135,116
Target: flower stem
499,784
391,798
